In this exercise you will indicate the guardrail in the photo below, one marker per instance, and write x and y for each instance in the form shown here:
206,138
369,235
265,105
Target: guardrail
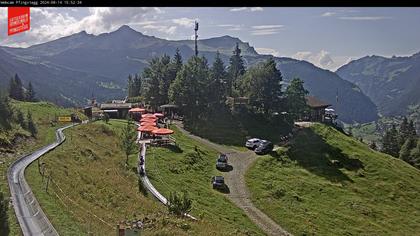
30,215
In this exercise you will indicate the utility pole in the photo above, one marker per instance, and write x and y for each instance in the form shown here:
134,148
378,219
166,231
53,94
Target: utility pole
196,36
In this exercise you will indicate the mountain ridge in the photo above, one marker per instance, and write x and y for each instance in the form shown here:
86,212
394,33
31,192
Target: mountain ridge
110,57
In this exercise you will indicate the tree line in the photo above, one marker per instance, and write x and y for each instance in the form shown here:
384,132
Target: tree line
20,93
199,89
403,143
10,116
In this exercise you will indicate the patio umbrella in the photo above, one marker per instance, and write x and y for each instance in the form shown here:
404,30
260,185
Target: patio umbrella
158,115
146,128
147,123
148,119
162,131
148,116
136,109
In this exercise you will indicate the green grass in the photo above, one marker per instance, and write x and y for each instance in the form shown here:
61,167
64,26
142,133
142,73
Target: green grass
89,169
184,169
42,113
367,193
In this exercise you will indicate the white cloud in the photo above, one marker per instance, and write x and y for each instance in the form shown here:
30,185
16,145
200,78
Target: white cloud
364,18
256,9
50,23
266,29
267,26
231,27
268,51
264,32
327,14
239,9
252,9
185,22
321,59
161,28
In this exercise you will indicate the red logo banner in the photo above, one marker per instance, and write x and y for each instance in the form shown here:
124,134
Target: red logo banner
19,20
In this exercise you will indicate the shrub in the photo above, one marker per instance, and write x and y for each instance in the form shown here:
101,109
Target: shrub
179,205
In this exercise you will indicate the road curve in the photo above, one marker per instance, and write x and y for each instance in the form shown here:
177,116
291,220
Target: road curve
238,191
32,219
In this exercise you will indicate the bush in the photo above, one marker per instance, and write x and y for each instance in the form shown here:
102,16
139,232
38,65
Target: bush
179,205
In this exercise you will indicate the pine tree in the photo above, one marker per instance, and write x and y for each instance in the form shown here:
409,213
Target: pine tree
390,143
30,94
177,61
403,131
31,125
262,85
406,148
16,88
190,89
236,70
217,84
130,88
128,140
296,98
412,129
6,113
21,120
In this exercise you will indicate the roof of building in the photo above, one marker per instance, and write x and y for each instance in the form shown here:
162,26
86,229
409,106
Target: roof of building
109,106
316,102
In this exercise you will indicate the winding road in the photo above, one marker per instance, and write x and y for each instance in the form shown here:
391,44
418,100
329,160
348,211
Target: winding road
31,217
235,179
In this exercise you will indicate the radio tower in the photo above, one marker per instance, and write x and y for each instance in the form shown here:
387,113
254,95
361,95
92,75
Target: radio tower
196,36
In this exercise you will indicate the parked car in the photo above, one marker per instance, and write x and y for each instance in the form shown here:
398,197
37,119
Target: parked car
222,162
218,182
253,143
265,147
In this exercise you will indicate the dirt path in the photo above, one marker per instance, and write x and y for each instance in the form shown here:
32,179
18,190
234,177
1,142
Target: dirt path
235,179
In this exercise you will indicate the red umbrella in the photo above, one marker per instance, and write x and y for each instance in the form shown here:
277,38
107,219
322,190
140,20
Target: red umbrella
146,128
148,116
147,123
136,109
148,119
162,131
158,115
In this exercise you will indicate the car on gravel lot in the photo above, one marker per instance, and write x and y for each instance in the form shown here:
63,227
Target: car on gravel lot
265,147
253,143
222,162
218,182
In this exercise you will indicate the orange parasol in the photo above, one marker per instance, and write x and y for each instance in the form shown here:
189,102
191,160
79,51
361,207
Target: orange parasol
146,128
136,109
148,120
148,116
147,123
162,131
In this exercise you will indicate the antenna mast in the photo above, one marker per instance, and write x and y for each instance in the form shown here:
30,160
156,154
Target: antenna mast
196,36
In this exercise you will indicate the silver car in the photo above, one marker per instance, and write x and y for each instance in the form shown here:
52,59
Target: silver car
253,143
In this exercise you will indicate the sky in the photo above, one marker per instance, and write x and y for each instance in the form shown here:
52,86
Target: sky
326,37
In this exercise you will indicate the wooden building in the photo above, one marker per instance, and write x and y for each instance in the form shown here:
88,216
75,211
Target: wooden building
317,109
116,110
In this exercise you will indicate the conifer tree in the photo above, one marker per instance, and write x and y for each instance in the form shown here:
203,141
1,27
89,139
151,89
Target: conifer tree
236,70
390,143
16,88
30,94
31,125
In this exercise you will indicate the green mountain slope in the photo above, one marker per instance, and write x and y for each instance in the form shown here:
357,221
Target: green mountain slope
391,83
326,183
69,70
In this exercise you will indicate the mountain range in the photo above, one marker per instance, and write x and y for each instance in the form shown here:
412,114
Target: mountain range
72,69
393,84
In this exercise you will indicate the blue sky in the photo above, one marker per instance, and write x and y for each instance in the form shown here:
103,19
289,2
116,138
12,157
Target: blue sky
327,37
